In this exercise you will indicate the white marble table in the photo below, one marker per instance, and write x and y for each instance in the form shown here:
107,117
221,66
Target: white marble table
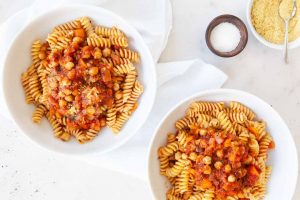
257,69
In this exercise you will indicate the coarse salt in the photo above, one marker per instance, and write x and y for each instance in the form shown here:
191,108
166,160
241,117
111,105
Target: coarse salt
225,37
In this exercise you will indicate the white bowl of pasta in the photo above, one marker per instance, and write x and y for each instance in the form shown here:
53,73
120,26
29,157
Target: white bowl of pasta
90,74
242,149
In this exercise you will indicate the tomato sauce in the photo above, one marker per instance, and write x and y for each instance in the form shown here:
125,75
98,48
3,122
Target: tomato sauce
221,162
80,86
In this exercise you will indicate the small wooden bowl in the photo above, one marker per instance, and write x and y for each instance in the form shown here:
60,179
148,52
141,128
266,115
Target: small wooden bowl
235,21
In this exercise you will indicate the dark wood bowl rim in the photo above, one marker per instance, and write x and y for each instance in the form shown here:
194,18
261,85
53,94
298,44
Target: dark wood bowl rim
235,21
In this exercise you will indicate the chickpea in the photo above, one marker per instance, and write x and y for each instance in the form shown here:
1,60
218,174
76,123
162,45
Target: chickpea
67,92
106,52
93,71
220,153
61,94
69,98
177,155
90,117
203,131
77,40
116,86
66,82
42,55
231,178
207,160
193,156
62,103
118,95
184,156
97,53
90,110
207,169
218,165
227,168
69,65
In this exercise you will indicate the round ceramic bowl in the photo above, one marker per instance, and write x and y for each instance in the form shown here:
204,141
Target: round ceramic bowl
19,58
292,45
283,158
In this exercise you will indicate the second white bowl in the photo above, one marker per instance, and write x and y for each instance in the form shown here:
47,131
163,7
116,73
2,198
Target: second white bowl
292,45
283,158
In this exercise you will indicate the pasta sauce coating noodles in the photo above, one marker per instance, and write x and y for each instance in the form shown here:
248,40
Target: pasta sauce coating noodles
80,81
218,152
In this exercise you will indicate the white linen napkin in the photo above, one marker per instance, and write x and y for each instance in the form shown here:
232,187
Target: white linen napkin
177,80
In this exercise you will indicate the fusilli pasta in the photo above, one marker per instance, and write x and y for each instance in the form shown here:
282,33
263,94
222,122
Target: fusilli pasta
215,149
82,78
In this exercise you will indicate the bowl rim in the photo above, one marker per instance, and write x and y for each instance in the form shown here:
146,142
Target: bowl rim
78,6
203,93
291,45
238,23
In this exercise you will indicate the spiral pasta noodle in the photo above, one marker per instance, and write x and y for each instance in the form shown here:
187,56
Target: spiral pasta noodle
239,107
75,24
237,117
98,42
135,94
182,182
216,146
83,78
39,112
108,32
120,121
79,135
128,54
35,87
35,51
257,128
196,196
171,138
264,146
58,130
225,122
177,168
185,123
120,41
207,106
91,134
124,69
128,85
111,116
25,79
88,27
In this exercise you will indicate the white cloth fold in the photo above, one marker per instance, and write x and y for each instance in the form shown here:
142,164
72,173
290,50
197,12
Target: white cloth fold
177,80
